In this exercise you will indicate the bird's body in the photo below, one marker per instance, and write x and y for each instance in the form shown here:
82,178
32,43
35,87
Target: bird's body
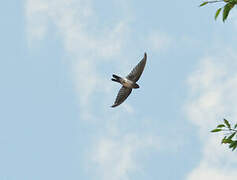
129,82
125,82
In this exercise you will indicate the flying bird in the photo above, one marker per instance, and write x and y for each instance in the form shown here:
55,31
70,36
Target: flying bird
129,82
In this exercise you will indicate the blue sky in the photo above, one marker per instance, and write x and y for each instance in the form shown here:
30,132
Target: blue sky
56,63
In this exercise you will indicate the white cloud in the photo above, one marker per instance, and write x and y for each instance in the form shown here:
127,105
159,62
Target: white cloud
36,22
74,20
128,108
205,172
118,157
213,88
159,41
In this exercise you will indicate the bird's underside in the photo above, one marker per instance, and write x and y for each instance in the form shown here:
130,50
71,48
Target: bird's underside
129,82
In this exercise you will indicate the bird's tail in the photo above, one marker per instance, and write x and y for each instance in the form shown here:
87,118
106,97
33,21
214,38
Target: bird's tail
116,78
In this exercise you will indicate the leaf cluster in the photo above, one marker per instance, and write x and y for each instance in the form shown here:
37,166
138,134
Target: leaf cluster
230,138
229,4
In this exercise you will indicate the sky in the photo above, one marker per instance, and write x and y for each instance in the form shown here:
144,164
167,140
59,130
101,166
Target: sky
56,63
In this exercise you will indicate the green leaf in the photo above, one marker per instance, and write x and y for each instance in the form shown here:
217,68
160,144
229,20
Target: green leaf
227,123
220,126
216,130
223,140
217,13
231,136
234,145
227,9
226,141
235,126
203,4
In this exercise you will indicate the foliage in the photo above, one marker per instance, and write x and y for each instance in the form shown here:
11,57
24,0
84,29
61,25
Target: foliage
229,4
231,135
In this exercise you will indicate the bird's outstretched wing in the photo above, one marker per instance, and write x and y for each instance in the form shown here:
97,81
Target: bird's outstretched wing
122,95
135,74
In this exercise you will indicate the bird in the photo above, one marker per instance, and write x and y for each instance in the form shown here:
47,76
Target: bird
129,82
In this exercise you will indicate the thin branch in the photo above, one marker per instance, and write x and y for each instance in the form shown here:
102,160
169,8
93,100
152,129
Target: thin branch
233,130
215,1
230,129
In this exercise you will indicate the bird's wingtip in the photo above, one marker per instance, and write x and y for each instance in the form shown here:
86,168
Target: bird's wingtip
114,105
